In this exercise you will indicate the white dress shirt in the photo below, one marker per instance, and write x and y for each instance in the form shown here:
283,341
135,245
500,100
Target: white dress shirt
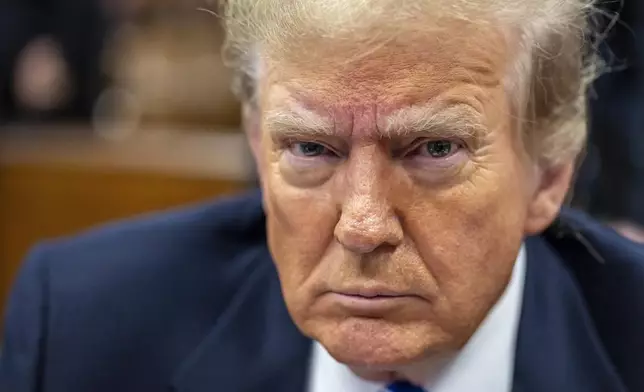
485,364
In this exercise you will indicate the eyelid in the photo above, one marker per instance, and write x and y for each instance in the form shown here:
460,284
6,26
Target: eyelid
417,143
334,142
291,145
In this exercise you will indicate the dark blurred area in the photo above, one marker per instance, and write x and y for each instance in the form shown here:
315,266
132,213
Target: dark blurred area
137,61
50,58
611,181
110,109
113,108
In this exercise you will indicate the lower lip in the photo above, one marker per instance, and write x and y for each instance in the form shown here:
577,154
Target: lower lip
369,306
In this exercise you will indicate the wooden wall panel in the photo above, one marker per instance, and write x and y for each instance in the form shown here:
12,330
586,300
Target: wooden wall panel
44,195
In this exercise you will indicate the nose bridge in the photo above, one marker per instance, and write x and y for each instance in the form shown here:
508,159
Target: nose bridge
365,186
367,220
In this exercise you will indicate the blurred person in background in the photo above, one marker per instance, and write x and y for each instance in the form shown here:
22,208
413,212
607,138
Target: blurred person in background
408,236
611,181
123,60
50,59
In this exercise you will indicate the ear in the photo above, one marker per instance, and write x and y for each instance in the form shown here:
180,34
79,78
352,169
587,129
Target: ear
546,201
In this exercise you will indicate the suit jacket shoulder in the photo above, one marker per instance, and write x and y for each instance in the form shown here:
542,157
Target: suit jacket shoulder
609,271
98,306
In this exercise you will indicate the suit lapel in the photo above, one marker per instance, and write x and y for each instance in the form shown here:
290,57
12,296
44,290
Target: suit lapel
254,346
558,349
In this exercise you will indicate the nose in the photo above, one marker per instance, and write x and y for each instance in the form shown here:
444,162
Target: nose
368,219
364,227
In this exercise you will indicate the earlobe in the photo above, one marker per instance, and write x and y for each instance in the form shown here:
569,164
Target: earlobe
548,198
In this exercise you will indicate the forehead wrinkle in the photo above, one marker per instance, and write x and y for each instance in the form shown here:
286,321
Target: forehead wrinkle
401,67
333,95
403,71
308,108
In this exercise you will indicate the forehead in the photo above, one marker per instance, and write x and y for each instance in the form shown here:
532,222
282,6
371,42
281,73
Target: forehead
461,64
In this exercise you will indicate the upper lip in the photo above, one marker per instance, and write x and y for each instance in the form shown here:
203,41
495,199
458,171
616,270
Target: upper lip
371,291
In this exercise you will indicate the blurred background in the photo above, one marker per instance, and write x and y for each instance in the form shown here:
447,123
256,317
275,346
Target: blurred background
109,109
115,108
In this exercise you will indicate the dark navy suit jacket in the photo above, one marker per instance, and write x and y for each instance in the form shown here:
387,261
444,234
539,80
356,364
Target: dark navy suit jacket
190,301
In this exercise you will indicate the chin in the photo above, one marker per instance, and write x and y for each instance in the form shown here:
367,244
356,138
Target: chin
378,344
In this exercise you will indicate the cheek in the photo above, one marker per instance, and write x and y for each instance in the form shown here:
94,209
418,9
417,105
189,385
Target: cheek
469,236
300,224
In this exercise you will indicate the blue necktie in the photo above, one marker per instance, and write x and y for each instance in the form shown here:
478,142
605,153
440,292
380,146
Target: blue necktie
403,386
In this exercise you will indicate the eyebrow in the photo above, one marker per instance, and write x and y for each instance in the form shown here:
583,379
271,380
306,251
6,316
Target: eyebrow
455,121
458,121
298,122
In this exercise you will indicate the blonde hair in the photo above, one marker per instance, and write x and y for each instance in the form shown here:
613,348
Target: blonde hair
547,81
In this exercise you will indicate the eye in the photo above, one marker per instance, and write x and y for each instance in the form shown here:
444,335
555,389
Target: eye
309,149
437,149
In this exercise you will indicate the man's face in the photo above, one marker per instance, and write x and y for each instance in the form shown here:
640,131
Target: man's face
396,193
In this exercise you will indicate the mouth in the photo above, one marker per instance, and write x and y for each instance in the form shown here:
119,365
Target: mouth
371,292
370,301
